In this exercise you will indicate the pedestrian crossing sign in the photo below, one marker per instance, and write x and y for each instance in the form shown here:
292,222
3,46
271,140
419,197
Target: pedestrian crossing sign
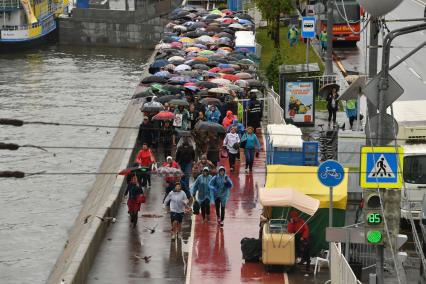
381,167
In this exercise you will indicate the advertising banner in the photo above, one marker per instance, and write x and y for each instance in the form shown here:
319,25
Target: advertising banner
299,104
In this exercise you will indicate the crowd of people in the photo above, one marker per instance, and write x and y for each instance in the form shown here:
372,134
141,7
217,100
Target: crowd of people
201,107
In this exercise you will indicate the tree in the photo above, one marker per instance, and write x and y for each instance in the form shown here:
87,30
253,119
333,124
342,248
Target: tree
272,71
271,11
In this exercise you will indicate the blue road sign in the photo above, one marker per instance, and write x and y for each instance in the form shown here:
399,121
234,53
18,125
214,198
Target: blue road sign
308,27
330,173
380,167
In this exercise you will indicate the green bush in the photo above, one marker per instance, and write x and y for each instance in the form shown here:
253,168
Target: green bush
272,70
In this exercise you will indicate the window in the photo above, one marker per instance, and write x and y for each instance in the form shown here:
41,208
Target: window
415,169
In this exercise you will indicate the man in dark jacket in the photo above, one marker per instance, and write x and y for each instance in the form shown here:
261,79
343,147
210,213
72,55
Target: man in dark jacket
254,111
185,156
146,132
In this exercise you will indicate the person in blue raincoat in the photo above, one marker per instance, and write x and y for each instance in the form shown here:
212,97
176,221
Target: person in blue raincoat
221,186
238,126
213,114
201,186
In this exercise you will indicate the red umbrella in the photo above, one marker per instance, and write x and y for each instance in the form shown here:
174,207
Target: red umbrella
130,170
230,77
164,115
227,70
189,84
215,69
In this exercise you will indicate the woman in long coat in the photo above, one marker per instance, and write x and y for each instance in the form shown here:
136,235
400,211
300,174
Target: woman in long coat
221,186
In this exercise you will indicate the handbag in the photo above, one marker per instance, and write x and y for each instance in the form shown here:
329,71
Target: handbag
196,207
140,198
236,146
243,144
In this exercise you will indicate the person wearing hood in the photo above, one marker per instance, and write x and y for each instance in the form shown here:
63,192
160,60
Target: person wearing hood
221,186
213,114
201,186
299,227
292,36
228,119
232,144
238,126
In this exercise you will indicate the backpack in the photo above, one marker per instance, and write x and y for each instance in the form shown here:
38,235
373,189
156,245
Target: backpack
251,249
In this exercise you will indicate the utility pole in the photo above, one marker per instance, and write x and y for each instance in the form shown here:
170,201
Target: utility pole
372,110
329,55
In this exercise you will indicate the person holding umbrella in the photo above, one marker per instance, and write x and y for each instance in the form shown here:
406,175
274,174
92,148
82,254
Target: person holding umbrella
166,138
201,186
146,132
185,156
251,146
221,186
145,159
134,201
213,114
232,144
181,118
332,106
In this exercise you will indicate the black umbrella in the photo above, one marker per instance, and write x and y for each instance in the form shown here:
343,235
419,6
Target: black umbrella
210,101
142,92
153,79
165,99
207,84
326,89
179,102
223,34
210,127
201,67
255,83
213,16
203,93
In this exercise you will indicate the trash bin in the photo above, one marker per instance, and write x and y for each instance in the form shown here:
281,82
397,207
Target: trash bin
356,268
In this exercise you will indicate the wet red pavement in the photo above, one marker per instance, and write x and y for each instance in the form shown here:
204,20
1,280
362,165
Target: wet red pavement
216,254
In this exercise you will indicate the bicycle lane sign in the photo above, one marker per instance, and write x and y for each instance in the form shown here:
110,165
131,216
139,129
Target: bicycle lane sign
330,173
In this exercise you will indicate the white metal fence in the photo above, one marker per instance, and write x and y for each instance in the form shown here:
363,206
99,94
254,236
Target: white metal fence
273,110
341,272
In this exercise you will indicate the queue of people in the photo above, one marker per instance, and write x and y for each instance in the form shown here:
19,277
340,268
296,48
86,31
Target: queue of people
200,101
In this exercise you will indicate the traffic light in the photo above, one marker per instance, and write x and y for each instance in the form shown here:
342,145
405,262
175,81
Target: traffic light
392,207
373,217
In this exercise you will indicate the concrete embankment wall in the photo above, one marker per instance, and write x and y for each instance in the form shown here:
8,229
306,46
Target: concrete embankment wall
103,200
142,28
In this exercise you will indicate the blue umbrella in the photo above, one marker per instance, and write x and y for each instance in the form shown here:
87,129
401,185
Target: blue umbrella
244,21
224,65
165,74
159,63
179,80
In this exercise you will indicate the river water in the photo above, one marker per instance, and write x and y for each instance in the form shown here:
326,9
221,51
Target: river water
55,84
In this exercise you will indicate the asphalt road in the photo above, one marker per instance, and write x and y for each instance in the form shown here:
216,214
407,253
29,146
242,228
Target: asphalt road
411,74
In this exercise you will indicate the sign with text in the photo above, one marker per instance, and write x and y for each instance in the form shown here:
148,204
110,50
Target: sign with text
308,27
299,105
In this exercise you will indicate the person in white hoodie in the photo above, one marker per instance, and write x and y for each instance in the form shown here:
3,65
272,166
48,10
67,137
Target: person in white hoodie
232,144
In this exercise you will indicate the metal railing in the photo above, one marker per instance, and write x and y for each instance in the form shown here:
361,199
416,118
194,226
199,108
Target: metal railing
272,108
341,272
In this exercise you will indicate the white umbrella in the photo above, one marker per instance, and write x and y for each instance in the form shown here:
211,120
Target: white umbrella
176,58
180,28
205,39
221,81
182,67
237,26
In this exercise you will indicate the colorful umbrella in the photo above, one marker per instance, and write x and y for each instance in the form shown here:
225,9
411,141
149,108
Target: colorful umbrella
218,91
163,115
221,81
244,75
186,40
169,172
182,67
230,77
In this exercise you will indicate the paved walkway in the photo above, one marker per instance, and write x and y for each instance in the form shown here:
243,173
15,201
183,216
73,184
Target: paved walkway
119,258
216,254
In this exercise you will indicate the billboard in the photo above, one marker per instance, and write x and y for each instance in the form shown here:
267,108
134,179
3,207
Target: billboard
299,104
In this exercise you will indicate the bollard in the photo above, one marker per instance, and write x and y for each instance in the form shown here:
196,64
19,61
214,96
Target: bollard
372,278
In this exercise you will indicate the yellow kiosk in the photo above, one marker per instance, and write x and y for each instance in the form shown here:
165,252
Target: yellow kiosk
278,246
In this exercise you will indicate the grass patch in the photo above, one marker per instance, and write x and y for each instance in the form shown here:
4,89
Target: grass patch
321,105
290,55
